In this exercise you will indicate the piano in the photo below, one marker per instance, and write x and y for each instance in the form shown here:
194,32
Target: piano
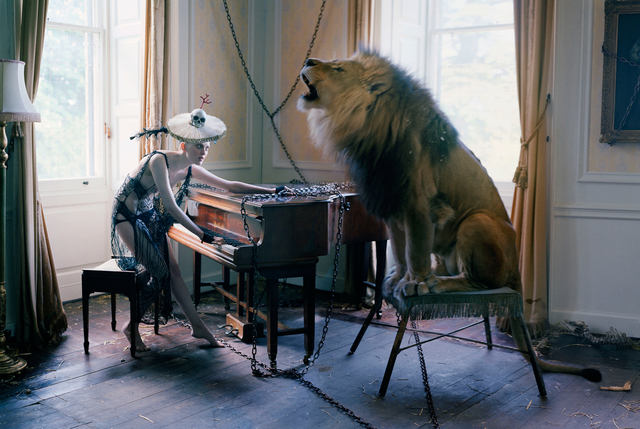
291,233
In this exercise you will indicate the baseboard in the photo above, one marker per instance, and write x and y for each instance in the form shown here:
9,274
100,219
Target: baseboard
599,323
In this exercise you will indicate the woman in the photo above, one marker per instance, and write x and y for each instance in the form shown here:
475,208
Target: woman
145,207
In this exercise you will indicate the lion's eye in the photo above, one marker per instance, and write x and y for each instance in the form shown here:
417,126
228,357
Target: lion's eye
338,69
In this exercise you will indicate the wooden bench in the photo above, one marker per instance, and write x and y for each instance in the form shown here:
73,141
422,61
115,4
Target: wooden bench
109,278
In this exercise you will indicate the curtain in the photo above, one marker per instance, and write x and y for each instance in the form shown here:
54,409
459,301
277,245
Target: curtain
534,23
360,24
154,73
359,34
41,318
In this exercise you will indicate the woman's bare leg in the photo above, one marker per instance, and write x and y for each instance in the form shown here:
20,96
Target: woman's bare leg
125,231
181,295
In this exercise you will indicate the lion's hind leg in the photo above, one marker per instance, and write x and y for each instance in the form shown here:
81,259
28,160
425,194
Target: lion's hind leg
484,256
458,283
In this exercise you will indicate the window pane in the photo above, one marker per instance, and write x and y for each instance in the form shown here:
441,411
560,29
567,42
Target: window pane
78,12
477,90
68,138
468,13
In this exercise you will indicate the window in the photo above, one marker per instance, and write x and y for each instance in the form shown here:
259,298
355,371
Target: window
71,137
464,51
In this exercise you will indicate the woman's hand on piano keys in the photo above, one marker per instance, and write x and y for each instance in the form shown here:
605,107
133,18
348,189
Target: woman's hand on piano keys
209,238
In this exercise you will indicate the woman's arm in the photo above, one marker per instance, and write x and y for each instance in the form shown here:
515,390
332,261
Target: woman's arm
201,174
160,173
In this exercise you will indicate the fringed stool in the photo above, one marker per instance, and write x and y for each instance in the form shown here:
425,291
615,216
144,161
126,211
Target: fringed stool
109,278
503,302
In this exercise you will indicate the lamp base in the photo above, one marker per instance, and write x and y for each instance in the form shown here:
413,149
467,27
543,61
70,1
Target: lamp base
11,365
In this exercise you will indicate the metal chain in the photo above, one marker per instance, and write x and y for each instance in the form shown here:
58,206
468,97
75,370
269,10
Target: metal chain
331,190
616,132
425,377
328,189
295,84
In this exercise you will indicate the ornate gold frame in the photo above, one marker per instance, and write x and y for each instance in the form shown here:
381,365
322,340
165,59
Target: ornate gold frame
621,73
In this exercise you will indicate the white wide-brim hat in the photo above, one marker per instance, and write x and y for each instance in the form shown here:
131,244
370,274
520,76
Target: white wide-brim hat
182,129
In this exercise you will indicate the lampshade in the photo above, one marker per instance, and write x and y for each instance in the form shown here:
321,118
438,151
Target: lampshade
15,105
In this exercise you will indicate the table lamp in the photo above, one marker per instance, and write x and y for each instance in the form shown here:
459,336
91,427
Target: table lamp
15,106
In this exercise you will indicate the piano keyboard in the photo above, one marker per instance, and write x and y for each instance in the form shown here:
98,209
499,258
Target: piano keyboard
227,240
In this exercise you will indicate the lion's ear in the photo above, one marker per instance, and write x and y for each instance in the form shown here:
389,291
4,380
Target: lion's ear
377,85
377,88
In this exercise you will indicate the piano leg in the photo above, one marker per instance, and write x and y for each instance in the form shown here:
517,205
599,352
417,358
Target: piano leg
249,299
308,294
197,277
272,320
241,294
226,284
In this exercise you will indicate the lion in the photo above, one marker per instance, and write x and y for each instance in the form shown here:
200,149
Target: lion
448,227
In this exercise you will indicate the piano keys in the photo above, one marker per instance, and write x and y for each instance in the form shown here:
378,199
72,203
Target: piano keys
291,232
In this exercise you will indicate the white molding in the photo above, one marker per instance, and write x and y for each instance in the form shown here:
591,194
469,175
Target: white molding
276,162
584,114
608,177
75,196
249,126
308,165
228,165
598,212
71,279
598,322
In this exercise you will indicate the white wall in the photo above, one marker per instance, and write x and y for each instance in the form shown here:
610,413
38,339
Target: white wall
594,235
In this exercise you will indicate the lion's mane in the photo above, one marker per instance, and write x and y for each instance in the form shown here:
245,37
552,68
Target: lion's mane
381,138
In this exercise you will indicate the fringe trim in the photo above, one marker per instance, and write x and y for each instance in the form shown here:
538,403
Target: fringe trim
503,302
57,327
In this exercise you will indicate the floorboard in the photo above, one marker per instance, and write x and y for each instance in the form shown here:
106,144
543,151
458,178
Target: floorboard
182,383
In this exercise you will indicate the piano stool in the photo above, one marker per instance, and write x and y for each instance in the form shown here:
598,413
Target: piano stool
109,278
503,302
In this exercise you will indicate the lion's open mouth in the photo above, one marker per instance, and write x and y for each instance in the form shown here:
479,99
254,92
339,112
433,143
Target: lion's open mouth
312,94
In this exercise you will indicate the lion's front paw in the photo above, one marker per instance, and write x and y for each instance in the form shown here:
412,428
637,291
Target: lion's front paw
425,286
406,287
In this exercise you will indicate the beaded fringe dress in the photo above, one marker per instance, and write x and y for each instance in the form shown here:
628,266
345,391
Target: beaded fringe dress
150,222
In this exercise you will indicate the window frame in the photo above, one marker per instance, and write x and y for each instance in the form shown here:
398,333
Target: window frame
98,182
428,67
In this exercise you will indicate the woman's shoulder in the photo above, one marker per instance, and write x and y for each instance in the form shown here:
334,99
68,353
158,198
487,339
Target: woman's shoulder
163,156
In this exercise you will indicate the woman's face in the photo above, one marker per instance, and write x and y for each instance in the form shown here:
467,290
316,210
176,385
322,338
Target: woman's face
197,152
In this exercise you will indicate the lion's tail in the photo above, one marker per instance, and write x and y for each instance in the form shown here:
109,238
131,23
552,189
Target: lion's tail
590,374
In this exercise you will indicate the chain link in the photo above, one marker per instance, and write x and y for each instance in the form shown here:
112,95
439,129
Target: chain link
312,191
330,190
623,121
425,377
295,84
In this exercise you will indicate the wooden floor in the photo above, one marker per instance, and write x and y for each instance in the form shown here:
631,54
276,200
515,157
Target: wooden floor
183,384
